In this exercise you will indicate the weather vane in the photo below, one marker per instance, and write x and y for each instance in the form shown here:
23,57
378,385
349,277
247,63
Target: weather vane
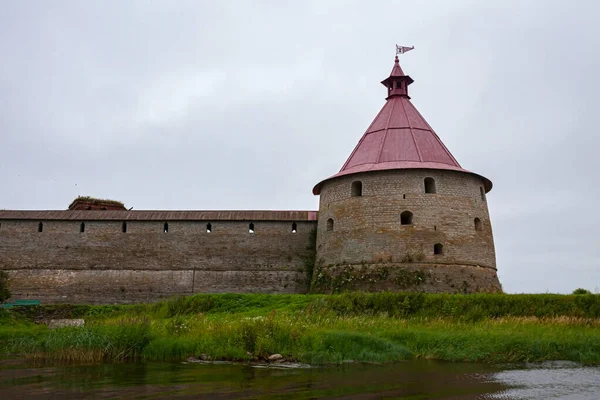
403,49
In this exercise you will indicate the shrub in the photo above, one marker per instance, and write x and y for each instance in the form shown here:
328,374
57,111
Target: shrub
581,291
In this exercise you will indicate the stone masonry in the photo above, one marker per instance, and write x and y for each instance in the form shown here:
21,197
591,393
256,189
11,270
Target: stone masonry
368,232
103,264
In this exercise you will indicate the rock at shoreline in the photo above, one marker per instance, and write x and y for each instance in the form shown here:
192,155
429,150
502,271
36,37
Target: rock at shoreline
61,323
275,357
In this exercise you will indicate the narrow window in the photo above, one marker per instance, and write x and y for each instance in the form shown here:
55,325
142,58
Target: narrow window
429,185
89,207
124,227
438,248
477,224
398,85
208,228
251,228
82,227
166,227
356,189
404,197
482,192
40,227
294,227
406,218
330,224
435,227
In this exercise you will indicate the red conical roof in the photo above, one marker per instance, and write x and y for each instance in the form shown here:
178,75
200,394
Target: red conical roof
399,138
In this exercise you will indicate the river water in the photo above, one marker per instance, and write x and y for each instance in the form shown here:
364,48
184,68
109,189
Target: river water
408,380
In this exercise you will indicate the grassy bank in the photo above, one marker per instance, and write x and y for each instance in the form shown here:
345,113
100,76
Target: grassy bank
317,329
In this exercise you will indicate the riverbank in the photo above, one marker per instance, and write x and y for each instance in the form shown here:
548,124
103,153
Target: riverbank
316,329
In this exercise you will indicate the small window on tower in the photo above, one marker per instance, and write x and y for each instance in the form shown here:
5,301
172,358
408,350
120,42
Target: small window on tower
477,224
429,185
406,218
251,228
438,248
482,192
330,224
124,227
294,227
208,228
40,227
398,85
166,227
82,227
356,190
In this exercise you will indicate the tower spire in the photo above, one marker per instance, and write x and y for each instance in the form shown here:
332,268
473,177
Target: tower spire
397,83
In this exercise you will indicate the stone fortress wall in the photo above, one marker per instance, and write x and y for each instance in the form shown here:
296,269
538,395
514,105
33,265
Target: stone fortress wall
395,223
85,260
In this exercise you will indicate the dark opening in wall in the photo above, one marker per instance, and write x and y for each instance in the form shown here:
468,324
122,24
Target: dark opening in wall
429,185
208,228
406,218
438,248
166,227
124,227
477,224
251,228
330,224
482,192
404,197
356,189
82,227
40,227
435,227
294,227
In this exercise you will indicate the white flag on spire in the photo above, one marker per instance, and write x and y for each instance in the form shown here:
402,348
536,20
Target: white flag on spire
403,49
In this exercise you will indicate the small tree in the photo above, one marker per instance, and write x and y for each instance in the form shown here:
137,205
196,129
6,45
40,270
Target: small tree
4,292
581,291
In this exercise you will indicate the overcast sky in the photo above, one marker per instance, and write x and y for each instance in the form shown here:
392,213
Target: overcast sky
248,104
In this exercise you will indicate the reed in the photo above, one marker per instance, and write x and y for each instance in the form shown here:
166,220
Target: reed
317,329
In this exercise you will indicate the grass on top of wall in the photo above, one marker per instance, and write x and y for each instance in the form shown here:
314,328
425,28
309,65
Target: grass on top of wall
318,329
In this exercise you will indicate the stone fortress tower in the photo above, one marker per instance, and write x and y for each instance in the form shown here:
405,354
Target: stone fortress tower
402,214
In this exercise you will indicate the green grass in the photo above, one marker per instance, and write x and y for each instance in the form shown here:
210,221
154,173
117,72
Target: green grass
317,329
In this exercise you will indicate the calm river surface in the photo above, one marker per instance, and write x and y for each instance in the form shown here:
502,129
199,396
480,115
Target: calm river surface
409,380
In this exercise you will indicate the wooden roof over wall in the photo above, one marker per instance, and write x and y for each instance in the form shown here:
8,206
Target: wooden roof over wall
148,215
